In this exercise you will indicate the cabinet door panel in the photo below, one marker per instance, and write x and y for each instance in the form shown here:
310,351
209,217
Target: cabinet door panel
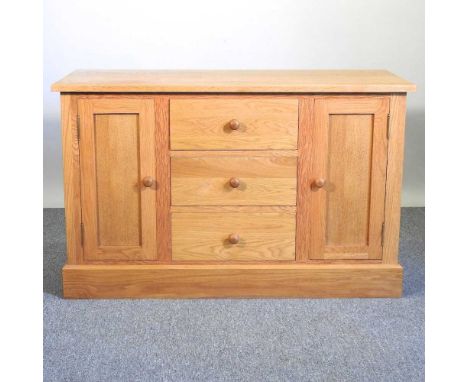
117,150
350,154
348,176
117,169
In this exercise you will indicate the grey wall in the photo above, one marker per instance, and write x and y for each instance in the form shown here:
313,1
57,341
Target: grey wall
149,34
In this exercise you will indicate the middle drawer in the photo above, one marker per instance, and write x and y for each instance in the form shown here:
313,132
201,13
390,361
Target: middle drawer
234,180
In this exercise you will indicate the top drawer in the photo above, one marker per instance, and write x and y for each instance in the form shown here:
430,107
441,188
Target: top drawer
233,123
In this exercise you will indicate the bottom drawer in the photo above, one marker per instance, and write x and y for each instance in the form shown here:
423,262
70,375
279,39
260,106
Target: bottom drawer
236,236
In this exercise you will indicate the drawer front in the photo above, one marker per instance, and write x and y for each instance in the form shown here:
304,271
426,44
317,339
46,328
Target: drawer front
236,236
233,124
234,181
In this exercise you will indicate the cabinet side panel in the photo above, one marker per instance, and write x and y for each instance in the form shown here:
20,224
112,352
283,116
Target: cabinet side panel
163,170
71,178
394,178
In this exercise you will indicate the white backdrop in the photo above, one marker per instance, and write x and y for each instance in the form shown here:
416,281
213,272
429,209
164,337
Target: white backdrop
202,34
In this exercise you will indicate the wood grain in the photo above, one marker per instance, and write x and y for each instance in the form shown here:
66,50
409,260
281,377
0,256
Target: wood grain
394,179
205,181
249,209
234,81
163,180
350,139
305,219
118,149
205,281
205,236
117,179
71,178
331,245
203,123
243,153
350,153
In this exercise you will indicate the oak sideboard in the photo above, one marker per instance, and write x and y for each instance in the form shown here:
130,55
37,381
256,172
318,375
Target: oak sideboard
232,183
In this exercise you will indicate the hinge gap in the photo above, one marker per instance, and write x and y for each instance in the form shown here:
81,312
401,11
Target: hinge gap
382,236
82,234
78,128
388,126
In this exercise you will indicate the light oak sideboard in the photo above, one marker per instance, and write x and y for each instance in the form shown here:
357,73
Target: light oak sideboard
232,183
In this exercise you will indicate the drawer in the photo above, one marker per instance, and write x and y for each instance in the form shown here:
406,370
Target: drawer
233,124
237,236
234,180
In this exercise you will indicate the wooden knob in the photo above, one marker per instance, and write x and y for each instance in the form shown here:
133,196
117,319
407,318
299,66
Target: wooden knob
148,181
234,124
234,238
319,183
234,182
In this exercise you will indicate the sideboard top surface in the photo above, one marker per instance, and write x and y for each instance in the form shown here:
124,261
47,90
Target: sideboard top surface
233,81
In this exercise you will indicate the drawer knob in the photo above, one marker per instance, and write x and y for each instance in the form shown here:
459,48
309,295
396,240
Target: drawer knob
234,124
319,183
234,182
234,238
148,181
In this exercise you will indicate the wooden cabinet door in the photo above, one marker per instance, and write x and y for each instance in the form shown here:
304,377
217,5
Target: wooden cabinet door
348,174
117,159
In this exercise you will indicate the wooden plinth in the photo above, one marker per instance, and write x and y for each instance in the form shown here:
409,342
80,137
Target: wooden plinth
233,280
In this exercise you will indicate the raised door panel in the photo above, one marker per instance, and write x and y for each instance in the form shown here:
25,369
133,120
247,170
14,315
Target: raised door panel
117,153
348,173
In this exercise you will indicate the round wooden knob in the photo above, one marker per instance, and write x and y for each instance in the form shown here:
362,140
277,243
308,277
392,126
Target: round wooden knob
319,183
234,238
148,181
234,124
234,182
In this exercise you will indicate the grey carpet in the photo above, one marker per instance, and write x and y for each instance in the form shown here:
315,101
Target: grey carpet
235,340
